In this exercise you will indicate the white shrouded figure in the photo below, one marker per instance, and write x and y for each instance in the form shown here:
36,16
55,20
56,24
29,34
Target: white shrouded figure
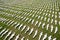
20,26
31,31
54,39
45,18
41,17
17,37
56,29
55,16
35,33
32,21
39,24
38,17
43,25
51,28
23,27
40,35
55,21
27,30
17,25
22,38
52,15
36,23
49,38
48,20
51,20
33,15
47,26
29,20
45,36
27,39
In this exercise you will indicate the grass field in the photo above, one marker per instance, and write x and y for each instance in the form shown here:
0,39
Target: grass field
29,19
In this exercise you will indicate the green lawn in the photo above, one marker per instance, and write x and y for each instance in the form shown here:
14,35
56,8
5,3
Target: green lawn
41,16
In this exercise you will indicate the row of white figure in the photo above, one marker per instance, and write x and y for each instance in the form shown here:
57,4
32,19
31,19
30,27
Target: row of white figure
45,6
4,31
12,23
32,29
10,33
29,19
41,18
11,10
20,25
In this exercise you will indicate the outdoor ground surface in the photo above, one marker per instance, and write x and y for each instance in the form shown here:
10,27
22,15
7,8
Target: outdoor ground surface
29,19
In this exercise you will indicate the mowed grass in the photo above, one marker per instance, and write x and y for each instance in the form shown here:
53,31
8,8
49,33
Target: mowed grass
16,11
